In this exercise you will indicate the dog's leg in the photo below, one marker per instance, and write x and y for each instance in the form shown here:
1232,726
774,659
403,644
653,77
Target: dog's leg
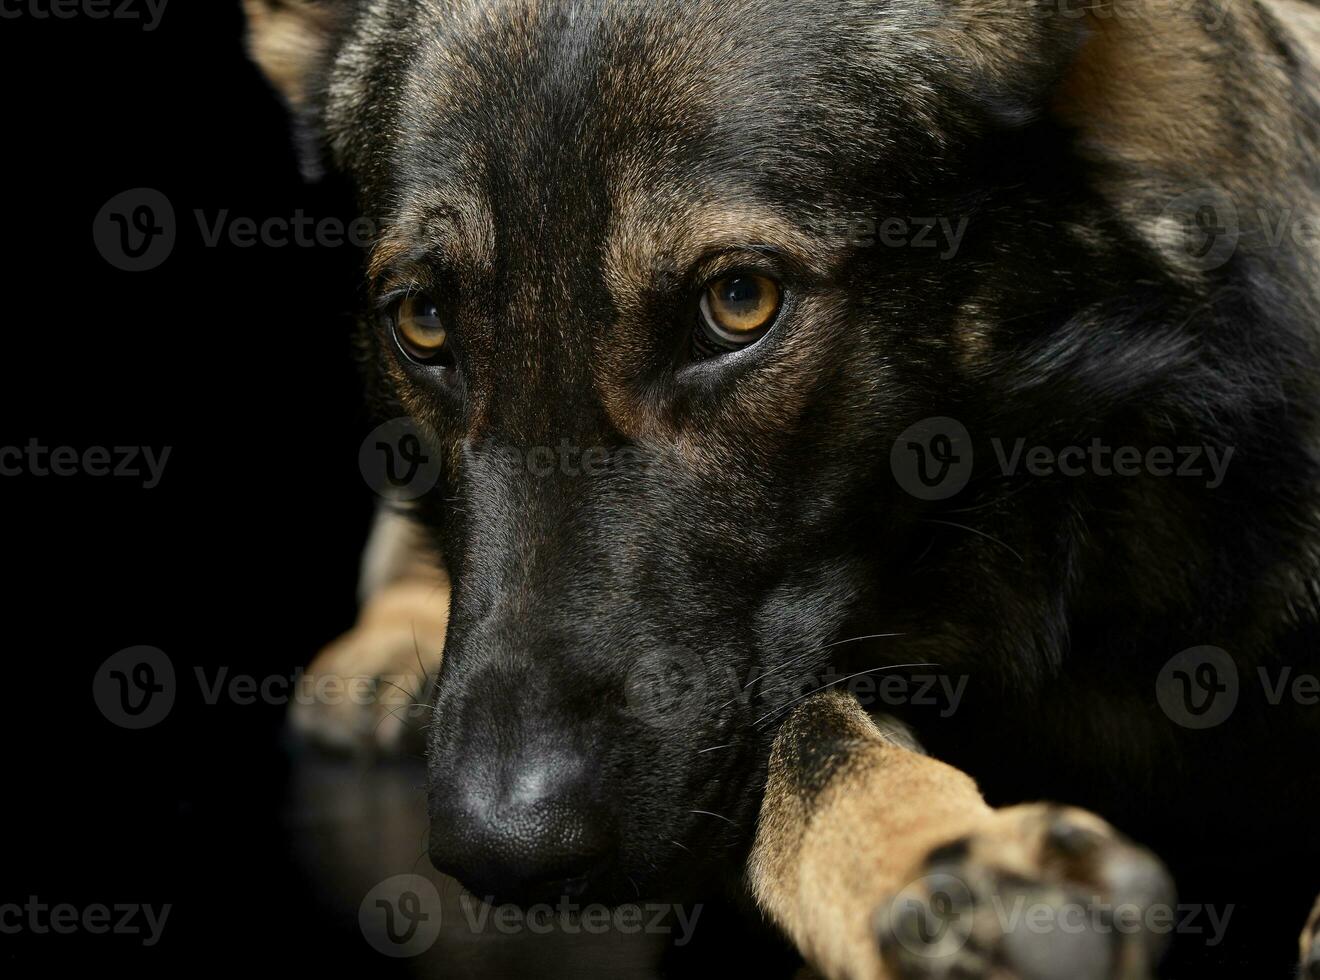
881,863
1311,945
365,690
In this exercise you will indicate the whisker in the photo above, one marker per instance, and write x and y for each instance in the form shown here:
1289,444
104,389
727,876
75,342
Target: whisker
989,503
972,530
411,695
427,679
717,816
426,849
854,639
404,721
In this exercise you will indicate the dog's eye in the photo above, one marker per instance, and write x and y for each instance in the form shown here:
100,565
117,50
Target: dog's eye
739,309
420,329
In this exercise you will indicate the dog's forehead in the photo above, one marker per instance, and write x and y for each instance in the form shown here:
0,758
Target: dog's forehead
639,99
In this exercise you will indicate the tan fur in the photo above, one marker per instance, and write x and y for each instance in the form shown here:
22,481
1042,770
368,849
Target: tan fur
396,551
285,39
837,847
1302,17
1158,95
1311,937
820,868
367,686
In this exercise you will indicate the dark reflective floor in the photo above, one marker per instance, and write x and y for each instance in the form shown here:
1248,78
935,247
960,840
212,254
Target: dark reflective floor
358,832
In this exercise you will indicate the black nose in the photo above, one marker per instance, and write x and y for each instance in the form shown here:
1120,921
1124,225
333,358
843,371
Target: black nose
527,834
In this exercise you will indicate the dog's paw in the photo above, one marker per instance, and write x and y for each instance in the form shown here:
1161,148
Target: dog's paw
1039,893
1310,968
367,691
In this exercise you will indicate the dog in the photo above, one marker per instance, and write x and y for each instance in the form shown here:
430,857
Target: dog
763,345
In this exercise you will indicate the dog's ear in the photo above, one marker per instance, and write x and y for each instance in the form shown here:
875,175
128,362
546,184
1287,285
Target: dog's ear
292,42
289,40
1004,57
1160,84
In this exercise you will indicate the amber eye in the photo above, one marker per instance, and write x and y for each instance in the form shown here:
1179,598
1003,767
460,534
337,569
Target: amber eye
739,309
420,329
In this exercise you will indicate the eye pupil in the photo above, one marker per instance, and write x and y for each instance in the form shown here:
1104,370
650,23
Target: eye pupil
742,293
738,309
420,328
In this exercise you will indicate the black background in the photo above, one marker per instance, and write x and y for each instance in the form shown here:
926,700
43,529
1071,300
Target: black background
243,558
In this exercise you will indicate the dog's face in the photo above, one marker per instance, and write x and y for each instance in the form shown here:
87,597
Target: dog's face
629,286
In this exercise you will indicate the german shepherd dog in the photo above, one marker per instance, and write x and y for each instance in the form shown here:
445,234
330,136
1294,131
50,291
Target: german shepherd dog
766,346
